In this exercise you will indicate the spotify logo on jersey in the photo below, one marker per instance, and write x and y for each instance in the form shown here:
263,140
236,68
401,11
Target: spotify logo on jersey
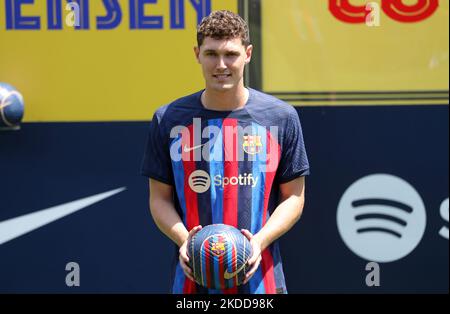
381,218
199,181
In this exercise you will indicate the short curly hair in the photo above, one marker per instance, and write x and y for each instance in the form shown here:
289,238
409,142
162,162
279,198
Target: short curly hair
223,24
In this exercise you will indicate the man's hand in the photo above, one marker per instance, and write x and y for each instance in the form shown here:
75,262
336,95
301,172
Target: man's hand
184,259
255,259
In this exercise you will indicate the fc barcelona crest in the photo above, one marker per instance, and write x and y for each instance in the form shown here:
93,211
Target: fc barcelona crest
218,248
252,144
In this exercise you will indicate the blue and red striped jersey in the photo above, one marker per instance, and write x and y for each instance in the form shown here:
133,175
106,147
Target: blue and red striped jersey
226,167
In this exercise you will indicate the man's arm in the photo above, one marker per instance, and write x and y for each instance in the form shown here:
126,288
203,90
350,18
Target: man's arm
169,222
164,213
282,219
286,214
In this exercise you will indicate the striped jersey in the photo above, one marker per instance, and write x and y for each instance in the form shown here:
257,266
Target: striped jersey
226,167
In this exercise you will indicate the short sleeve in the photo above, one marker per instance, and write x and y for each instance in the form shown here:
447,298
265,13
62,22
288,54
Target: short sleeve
294,161
156,163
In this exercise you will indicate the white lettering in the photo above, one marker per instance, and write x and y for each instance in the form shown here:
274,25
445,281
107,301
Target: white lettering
187,304
373,278
243,180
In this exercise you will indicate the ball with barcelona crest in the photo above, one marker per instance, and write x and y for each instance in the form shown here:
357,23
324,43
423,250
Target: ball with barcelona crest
218,256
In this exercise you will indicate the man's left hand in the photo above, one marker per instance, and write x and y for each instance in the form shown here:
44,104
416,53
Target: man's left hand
255,259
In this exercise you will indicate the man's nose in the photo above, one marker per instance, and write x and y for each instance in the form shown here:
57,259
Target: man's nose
221,63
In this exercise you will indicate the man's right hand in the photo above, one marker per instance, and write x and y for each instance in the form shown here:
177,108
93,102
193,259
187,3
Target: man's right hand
184,259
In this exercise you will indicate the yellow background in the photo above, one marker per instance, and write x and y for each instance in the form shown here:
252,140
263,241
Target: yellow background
101,75
305,48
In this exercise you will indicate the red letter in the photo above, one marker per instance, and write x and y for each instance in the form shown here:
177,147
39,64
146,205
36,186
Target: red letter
347,12
410,13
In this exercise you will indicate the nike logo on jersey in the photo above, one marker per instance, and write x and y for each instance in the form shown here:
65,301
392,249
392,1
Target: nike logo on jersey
189,149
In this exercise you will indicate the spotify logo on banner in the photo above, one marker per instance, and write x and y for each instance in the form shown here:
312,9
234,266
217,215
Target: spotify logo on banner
381,218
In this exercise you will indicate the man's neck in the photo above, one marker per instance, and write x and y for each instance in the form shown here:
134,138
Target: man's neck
225,101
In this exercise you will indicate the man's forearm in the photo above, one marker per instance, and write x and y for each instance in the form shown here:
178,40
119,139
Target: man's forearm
283,218
168,221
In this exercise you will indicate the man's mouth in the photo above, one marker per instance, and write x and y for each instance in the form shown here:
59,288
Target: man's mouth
222,76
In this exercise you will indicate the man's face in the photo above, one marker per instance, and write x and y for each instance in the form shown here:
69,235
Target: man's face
223,62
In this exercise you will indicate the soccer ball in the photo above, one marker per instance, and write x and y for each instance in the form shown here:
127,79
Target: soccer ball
218,256
11,106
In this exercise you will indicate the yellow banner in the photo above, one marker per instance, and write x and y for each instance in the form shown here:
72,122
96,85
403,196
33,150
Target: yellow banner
330,46
128,58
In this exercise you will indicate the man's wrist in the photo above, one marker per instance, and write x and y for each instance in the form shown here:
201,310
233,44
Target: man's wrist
181,236
259,238
184,239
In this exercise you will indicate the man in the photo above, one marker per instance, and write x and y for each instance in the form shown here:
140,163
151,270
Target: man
227,154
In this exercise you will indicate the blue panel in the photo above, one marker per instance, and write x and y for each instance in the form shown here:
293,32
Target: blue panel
120,249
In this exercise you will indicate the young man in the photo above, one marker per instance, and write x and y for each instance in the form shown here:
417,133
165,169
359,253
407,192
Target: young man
227,154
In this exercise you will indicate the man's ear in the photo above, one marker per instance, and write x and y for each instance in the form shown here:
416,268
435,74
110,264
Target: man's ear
248,53
197,53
